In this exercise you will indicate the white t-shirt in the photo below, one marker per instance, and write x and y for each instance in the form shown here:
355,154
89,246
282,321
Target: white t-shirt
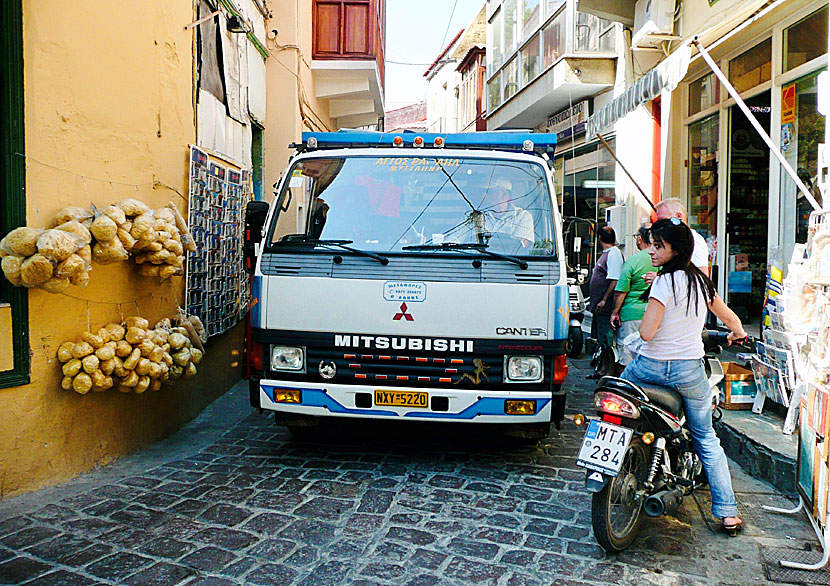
515,222
614,264
678,336
700,254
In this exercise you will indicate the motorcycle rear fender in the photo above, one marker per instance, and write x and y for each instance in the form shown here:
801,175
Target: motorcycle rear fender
595,481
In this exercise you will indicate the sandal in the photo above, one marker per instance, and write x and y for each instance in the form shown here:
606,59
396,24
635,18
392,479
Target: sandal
734,527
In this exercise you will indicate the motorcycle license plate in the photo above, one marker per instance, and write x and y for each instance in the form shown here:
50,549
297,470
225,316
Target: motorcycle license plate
603,447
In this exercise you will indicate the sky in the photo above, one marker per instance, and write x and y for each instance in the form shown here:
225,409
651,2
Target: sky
415,32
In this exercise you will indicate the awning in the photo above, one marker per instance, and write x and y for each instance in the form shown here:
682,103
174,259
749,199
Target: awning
665,76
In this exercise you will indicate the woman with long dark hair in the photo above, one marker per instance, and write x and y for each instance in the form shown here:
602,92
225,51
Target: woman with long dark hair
672,352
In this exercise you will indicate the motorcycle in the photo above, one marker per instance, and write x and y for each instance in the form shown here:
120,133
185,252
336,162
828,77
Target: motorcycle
578,234
638,452
578,304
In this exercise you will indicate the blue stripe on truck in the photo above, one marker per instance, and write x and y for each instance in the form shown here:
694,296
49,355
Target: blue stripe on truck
485,406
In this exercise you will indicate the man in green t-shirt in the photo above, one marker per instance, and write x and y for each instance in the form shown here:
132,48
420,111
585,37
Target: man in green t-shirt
628,307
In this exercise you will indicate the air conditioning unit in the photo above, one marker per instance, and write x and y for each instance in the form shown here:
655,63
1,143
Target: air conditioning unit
653,22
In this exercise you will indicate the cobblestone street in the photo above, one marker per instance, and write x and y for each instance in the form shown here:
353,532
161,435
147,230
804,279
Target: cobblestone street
367,505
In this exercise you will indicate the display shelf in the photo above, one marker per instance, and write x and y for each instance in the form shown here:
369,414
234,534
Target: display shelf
218,289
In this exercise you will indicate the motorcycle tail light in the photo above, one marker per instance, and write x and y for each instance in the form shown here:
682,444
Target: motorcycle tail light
612,404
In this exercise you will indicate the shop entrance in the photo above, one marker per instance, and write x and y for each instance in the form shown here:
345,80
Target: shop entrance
748,210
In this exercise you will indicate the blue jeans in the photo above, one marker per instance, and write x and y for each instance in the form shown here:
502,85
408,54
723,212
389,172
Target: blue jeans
688,378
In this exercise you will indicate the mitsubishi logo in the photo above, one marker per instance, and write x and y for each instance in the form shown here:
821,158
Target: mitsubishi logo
403,314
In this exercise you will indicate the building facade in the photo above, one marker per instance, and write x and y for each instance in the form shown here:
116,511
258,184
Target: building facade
549,67
740,198
100,104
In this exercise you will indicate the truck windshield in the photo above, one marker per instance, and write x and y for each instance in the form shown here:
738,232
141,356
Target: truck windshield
388,203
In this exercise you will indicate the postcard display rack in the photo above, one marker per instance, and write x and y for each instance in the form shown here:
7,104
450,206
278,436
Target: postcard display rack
800,321
218,289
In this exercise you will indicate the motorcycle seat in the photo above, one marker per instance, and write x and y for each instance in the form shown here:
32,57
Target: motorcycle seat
670,400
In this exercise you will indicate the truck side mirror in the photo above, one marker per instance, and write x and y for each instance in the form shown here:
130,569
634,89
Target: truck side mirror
255,214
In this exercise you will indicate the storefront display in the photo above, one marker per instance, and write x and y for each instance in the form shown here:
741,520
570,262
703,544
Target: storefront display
802,311
218,290
703,179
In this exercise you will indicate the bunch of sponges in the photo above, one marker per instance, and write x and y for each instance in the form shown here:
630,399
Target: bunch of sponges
48,259
129,356
62,255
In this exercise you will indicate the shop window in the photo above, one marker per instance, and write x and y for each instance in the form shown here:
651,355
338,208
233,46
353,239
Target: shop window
14,317
752,68
530,16
494,93
802,130
553,39
703,93
805,40
589,185
703,177
530,60
494,53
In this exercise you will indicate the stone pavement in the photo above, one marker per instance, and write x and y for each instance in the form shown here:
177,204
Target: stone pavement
234,499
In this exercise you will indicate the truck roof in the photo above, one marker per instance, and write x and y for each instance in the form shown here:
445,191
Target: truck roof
509,141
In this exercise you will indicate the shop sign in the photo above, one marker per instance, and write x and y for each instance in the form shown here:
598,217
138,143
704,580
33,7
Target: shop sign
788,104
568,122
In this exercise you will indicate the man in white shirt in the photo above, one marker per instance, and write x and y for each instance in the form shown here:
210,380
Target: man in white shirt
505,217
674,208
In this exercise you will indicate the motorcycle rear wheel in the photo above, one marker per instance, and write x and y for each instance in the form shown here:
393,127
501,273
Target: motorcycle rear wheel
615,515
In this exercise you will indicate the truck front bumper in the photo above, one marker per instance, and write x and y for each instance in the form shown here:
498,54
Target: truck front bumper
358,401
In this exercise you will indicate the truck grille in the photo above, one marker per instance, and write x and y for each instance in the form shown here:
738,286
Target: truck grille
408,369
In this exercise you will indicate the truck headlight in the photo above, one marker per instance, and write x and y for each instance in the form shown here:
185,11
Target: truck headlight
287,358
523,369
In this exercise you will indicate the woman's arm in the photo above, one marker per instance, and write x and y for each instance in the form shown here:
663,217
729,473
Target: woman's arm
728,317
651,319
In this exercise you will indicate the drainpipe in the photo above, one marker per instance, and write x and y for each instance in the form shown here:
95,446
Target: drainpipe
755,124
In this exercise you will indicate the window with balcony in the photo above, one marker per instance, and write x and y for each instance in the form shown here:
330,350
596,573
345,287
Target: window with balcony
593,34
511,26
553,37
531,13
345,28
494,51
494,93
511,78
530,60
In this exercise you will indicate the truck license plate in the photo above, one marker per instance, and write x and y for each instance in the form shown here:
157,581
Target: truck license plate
401,399
603,447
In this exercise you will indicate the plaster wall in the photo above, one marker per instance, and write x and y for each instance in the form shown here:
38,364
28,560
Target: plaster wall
109,113
292,106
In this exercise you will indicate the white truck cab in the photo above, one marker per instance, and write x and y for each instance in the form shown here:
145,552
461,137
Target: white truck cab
411,277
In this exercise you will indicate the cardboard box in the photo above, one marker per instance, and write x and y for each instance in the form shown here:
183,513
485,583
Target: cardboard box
738,388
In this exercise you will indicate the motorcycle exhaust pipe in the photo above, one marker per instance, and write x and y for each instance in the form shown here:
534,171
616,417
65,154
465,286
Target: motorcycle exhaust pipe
656,504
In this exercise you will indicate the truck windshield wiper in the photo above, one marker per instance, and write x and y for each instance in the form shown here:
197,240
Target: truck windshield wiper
482,248
292,239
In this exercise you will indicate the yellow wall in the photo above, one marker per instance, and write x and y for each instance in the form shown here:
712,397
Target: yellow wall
289,81
109,110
